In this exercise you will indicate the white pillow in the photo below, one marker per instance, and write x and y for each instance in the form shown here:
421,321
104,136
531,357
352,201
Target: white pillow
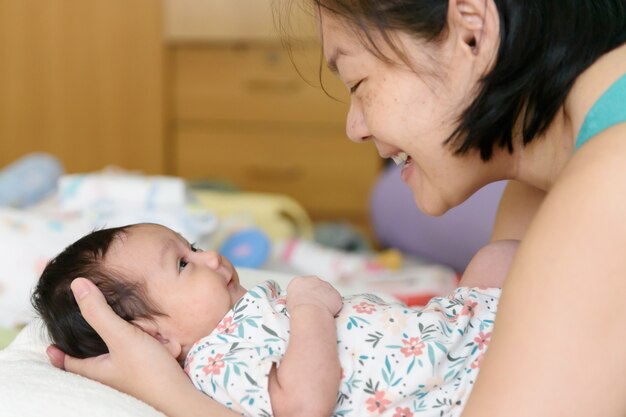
31,387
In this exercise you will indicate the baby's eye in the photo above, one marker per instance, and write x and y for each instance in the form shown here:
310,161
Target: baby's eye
182,264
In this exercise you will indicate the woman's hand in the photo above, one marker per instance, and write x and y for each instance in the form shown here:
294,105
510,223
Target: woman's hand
312,290
136,364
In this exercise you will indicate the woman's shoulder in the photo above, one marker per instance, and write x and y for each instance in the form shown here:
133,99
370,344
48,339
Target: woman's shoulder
588,200
600,158
592,84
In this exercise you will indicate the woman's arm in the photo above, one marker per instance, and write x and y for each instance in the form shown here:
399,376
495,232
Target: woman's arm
559,344
137,363
517,208
307,381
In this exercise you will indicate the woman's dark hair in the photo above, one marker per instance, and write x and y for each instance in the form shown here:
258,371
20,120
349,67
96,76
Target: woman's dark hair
544,46
54,302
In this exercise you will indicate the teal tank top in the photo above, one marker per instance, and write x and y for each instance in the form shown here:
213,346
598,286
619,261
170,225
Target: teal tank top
609,110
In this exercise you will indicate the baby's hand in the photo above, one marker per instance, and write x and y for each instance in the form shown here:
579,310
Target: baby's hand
312,290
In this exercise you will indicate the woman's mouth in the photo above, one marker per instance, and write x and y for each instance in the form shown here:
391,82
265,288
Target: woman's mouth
401,159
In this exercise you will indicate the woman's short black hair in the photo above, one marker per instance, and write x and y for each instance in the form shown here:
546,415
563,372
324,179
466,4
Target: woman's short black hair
544,46
54,302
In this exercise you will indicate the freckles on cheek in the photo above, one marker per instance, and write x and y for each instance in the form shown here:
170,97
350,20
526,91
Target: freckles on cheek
367,99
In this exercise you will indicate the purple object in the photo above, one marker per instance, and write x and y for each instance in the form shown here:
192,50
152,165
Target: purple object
451,239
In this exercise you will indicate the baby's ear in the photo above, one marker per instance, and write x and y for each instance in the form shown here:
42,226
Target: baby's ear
152,328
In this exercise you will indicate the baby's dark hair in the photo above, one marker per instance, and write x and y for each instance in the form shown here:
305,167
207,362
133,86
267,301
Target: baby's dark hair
54,302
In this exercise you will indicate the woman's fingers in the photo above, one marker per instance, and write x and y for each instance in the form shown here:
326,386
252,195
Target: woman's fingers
89,368
56,356
97,368
98,313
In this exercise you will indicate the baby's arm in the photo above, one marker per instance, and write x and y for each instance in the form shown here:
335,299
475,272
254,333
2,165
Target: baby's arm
307,381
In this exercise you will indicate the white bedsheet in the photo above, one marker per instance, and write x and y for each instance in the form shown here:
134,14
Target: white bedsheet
31,387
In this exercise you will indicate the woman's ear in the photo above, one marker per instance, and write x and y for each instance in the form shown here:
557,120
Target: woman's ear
153,329
476,22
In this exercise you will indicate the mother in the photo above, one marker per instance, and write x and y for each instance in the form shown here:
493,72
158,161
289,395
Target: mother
464,93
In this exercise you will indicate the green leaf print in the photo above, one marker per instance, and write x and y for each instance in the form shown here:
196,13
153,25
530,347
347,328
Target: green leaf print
250,379
386,377
352,383
442,347
431,355
240,308
408,370
226,376
341,398
375,338
370,387
268,330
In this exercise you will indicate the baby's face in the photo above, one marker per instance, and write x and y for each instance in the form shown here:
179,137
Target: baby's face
193,288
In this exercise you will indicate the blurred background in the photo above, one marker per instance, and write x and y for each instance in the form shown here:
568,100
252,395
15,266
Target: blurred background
200,89
202,115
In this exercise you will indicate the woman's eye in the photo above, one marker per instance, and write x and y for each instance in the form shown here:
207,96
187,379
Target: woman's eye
194,248
354,87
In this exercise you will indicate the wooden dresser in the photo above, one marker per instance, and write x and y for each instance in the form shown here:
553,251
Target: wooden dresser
241,113
202,89
83,80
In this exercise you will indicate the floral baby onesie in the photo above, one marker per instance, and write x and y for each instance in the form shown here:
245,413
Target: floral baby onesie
396,361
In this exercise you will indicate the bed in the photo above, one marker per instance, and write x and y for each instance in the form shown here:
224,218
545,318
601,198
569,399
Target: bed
29,385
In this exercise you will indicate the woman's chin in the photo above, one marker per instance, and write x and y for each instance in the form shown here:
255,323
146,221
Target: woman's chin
431,207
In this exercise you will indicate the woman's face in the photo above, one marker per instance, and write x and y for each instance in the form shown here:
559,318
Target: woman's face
410,109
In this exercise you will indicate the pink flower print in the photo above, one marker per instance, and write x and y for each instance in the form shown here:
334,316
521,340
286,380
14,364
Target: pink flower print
477,362
393,323
483,340
378,402
413,346
468,308
364,307
227,326
403,412
282,301
214,366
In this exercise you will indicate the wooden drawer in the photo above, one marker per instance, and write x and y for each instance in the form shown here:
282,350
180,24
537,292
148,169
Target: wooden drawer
330,176
254,83
229,20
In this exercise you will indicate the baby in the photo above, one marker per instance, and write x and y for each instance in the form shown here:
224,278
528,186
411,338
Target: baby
264,352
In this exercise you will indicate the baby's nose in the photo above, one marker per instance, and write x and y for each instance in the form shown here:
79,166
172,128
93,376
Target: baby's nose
211,258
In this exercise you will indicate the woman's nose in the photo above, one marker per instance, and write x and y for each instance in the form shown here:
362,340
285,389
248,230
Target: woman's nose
356,129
